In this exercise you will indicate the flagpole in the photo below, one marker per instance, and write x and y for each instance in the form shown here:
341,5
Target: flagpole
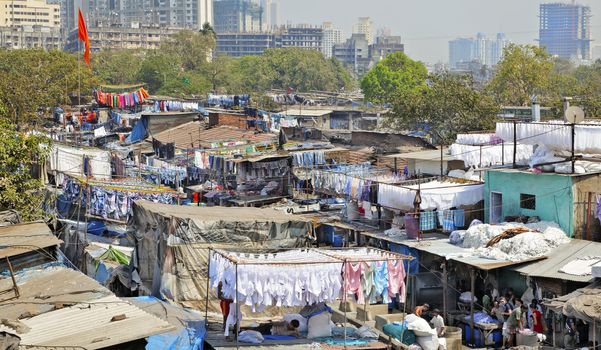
78,71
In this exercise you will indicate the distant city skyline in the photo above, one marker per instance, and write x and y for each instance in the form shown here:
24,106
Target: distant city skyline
426,33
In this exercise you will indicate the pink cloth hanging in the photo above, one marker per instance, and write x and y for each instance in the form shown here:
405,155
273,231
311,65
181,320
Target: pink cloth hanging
396,279
352,281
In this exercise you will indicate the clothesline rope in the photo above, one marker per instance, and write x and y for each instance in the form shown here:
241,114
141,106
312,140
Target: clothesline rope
314,256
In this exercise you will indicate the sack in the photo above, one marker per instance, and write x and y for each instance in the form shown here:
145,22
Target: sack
319,326
419,326
428,343
400,332
252,337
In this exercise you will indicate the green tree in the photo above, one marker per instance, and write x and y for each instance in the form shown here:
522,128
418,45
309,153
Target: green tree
525,71
19,154
448,104
396,74
117,67
34,80
207,30
191,49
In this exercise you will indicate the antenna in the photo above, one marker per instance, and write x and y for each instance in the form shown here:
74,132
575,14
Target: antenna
574,115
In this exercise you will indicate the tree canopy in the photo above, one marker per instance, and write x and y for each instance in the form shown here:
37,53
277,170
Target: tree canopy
35,79
524,72
19,153
396,74
448,105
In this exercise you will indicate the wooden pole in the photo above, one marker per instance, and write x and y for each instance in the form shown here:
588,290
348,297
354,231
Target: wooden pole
588,216
445,289
237,329
473,287
208,286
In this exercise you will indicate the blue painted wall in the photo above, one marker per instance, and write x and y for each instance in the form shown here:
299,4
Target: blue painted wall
554,195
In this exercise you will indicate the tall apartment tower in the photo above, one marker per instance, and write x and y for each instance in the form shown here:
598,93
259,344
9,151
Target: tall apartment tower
237,16
564,30
331,37
271,13
364,26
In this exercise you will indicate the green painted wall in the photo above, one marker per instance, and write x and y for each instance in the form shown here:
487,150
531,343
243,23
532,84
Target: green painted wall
554,196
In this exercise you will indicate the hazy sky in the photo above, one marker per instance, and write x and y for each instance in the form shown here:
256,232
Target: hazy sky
426,26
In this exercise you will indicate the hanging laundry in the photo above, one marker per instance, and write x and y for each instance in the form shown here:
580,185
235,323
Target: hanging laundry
125,100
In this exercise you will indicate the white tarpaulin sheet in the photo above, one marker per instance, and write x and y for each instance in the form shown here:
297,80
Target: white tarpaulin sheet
435,195
69,160
483,156
555,135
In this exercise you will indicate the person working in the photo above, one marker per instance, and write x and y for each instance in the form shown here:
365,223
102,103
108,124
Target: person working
421,310
437,322
224,303
286,328
569,339
515,321
537,319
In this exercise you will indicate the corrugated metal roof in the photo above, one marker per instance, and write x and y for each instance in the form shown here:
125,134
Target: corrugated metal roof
24,238
439,245
194,133
558,258
303,112
64,308
433,155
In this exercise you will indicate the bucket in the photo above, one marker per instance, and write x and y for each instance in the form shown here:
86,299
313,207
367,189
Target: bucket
454,338
526,340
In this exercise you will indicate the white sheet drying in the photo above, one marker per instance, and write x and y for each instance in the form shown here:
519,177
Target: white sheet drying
435,195
69,160
556,135
490,155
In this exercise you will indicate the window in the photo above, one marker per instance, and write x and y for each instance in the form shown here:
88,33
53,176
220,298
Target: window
527,201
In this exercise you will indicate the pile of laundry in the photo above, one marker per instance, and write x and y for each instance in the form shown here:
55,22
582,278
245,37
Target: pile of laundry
512,241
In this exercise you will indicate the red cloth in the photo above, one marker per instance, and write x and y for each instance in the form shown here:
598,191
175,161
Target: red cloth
225,306
82,34
195,197
538,327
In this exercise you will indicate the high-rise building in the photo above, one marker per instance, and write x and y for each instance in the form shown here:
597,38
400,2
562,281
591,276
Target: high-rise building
331,37
564,30
364,26
271,13
237,16
460,50
498,46
19,13
30,24
191,14
354,53
384,46
69,14
120,37
481,50
252,44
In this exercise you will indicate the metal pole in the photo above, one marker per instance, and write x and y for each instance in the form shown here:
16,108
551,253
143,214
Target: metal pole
502,152
573,141
344,298
237,329
473,287
208,286
588,216
515,141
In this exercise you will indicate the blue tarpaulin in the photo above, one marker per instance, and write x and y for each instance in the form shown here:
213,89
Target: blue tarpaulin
188,337
411,266
139,132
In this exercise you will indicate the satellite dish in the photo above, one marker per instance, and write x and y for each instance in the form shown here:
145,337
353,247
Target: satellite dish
574,115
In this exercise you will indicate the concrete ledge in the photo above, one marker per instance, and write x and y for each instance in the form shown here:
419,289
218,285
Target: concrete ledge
382,320
370,311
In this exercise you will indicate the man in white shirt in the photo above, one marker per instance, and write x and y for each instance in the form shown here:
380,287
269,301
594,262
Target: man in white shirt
437,322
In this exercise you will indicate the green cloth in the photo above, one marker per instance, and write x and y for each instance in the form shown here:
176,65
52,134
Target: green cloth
115,255
399,332
515,317
486,305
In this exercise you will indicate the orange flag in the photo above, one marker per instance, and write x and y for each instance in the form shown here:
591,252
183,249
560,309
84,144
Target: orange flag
82,34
